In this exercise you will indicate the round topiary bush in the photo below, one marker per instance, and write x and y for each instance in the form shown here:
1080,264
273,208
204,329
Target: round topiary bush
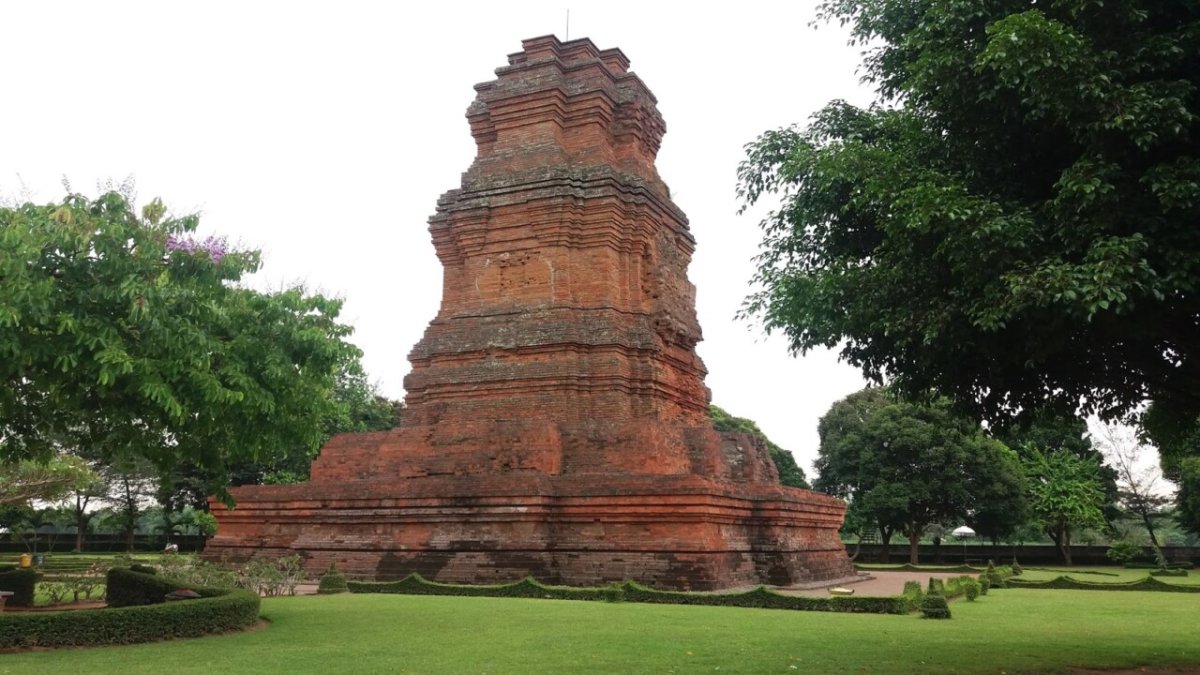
984,584
332,581
972,588
934,606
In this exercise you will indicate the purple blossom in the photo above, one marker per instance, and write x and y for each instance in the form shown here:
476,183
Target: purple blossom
215,247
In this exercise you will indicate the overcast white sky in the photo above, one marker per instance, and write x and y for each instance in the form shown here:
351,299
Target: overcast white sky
323,134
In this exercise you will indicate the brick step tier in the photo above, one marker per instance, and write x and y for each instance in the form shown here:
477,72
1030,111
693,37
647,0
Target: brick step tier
681,532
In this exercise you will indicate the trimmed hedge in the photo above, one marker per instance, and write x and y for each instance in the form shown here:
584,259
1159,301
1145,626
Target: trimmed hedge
22,583
1169,572
332,581
1068,583
232,610
761,597
1096,572
1153,565
127,588
934,606
909,567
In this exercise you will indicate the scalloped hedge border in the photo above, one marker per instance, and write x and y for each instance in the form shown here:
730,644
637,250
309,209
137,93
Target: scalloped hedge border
220,611
629,591
909,567
1069,583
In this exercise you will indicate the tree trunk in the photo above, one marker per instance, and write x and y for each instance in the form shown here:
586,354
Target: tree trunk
885,535
1149,528
1063,541
914,540
81,522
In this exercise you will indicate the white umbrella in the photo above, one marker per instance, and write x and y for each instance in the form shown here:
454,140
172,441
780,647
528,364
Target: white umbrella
962,532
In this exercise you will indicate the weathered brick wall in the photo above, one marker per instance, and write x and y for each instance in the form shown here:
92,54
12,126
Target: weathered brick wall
557,418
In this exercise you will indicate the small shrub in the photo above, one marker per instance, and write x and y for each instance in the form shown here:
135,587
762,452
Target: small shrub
934,606
332,581
85,585
913,588
984,584
271,577
1123,550
1016,568
972,588
937,586
196,572
56,591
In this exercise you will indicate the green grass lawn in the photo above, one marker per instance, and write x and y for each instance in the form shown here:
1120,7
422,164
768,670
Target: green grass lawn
1008,630
1102,575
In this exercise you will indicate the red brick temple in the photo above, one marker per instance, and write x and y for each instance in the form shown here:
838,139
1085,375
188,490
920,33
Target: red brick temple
557,419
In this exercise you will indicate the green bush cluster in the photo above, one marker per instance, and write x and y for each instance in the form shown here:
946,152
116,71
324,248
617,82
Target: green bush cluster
1123,550
1145,584
22,583
273,577
332,581
761,597
231,610
955,587
972,588
998,576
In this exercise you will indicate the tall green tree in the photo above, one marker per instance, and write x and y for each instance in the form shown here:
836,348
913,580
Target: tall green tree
906,467
790,472
1048,432
1066,494
124,332
1178,441
1013,223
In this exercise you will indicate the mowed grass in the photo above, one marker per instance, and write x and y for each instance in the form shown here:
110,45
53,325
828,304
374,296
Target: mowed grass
1103,575
1008,630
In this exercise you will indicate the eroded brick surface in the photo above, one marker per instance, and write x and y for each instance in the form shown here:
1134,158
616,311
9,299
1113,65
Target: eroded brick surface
557,414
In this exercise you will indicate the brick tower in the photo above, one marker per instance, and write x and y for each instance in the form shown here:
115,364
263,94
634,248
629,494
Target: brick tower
556,422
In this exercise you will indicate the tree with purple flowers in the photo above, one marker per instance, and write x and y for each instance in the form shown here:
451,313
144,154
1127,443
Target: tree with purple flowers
126,333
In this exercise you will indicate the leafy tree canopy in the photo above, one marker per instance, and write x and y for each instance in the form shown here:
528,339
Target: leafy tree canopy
1013,224
123,332
1066,494
790,472
904,467
22,481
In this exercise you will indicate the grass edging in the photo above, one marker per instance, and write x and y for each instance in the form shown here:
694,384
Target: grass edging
1069,583
629,591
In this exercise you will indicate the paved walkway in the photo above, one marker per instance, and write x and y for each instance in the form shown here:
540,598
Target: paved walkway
878,584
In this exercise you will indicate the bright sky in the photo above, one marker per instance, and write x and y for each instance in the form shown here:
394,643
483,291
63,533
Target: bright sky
323,133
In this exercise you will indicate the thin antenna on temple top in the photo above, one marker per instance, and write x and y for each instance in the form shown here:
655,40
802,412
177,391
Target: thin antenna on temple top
568,35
